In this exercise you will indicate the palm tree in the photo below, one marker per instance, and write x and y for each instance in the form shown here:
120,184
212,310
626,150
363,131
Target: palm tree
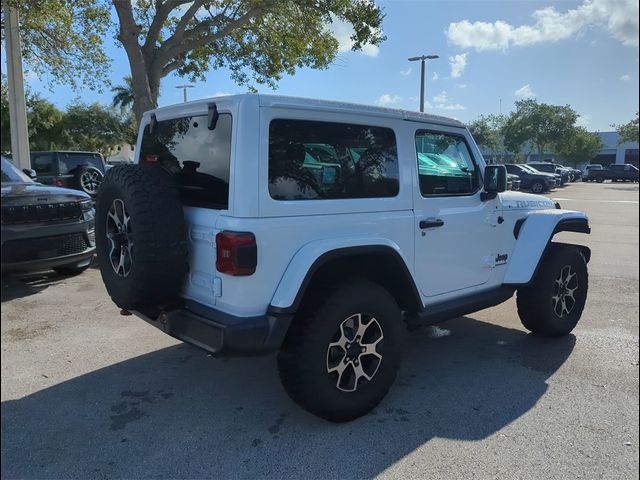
123,97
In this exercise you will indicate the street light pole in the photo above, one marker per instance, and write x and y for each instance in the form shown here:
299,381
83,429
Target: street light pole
15,84
422,73
184,90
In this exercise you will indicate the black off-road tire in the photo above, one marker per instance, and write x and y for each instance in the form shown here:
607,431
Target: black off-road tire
159,248
303,359
538,187
600,179
536,306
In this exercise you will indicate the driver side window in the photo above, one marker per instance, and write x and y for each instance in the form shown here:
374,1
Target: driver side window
445,165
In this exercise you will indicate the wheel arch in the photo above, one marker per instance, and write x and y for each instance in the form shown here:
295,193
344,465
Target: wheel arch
534,234
381,262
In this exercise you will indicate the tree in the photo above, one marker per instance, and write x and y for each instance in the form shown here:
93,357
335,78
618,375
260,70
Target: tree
63,39
44,122
628,131
579,147
93,127
257,40
487,132
540,124
124,97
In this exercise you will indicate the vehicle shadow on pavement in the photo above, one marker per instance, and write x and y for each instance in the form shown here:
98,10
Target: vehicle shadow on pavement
18,286
178,413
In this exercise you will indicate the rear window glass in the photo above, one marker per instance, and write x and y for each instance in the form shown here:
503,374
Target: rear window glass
70,162
311,160
198,157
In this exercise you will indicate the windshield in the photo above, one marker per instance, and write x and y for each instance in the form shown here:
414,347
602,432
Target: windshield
11,174
529,169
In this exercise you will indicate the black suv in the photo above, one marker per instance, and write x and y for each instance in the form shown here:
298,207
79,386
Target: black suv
531,179
44,227
78,170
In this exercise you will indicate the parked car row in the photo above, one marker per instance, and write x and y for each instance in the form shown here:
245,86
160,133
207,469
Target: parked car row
615,173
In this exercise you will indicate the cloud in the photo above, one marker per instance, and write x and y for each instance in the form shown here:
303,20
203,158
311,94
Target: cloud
388,99
406,73
524,92
435,76
441,102
441,98
343,31
458,64
618,17
625,78
461,85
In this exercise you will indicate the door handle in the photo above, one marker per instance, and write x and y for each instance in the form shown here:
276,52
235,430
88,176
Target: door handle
431,223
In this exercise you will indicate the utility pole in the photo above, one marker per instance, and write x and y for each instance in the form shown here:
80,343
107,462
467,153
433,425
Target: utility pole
184,90
422,73
15,84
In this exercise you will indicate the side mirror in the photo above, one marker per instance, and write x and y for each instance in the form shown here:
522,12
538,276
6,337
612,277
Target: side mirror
495,181
29,173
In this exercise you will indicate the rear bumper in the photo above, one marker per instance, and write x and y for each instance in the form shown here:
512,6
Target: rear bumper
219,333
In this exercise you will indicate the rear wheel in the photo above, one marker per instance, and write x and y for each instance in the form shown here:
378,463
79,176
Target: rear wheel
342,353
552,305
599,179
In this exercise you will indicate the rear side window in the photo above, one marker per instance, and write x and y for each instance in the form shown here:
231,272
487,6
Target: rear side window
445,166
70,162
42,163
311,160
198,157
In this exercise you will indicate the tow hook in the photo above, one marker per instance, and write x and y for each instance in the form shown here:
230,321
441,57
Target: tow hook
125,313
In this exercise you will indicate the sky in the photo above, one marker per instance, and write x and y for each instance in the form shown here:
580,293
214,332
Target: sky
583,53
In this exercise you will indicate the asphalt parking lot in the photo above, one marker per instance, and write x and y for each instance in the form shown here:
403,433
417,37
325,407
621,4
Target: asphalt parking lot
89,393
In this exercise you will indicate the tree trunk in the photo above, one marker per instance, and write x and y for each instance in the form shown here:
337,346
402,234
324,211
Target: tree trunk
144,98
540,151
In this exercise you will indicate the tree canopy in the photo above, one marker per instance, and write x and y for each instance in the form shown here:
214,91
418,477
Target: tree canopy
540,124
81,126
487,132
628,131
579,147
257,40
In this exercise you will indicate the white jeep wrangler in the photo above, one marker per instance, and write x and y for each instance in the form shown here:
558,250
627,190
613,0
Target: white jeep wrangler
255,223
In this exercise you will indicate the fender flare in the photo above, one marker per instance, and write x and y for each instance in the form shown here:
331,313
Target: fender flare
534,234
312,256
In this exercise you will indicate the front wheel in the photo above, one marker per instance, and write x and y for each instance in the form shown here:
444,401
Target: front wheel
552,305
537,187
341,355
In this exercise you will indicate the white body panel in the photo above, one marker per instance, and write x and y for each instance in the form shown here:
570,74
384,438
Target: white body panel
445,263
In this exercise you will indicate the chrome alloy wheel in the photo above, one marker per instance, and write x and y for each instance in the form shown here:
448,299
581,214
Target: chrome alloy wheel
119,236
90,181
352,357
564,289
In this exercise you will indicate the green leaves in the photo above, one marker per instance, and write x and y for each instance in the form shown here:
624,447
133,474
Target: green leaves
628,131
579,147
62,39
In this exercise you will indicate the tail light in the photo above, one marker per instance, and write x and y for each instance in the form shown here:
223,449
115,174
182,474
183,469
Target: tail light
237,253
59,182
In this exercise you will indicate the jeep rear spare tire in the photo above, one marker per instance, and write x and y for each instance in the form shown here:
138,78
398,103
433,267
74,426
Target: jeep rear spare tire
140,236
